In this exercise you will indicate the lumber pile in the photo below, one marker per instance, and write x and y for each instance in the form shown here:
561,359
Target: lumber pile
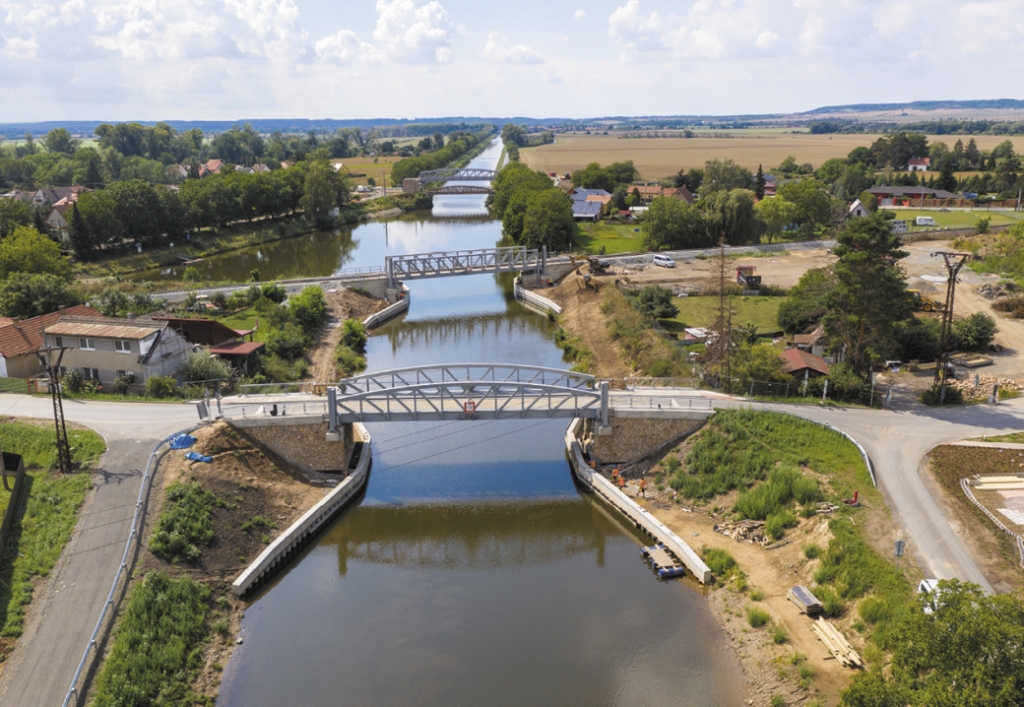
837,644
749,531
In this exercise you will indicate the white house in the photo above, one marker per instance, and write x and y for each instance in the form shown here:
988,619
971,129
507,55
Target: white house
919,164
857,209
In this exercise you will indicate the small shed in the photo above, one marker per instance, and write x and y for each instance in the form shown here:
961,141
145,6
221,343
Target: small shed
238,353
857,209
797,363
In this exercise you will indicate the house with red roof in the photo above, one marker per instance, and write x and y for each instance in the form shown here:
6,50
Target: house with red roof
20,340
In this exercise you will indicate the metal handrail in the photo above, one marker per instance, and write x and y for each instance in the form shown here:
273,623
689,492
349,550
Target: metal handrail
73,689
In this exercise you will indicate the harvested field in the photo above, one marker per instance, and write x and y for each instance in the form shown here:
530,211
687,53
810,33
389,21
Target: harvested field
993,549
657,158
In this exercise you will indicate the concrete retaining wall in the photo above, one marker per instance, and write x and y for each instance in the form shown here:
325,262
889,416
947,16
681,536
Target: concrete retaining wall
535,301
638,515
275,555
390,312
303,446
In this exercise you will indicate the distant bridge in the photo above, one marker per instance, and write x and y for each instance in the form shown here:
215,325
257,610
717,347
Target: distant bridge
447,190
457,175
472,391
418,266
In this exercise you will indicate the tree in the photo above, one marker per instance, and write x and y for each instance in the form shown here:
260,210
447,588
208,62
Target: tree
80,236
832,170
548,221
807,303
812,199
59,141
318,197
512,178
947,178
201,366
28,251
655,302
513,134
975,332
966,650
13,213
731,215
861,155
971,153
309,309
776,213
673,223
759,184
869,201
25,295
725,175
870,295
137,207
758,362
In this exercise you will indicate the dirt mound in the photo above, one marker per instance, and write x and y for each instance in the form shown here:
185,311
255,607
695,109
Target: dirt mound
582,317
341,305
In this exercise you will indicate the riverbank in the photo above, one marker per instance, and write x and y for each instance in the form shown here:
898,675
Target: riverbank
221,514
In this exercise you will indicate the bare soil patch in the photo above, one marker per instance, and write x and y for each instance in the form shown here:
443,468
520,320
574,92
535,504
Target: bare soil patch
251,487
341,305
582,317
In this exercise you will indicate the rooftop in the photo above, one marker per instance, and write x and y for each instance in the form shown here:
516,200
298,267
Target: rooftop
106,328
794,360
24,337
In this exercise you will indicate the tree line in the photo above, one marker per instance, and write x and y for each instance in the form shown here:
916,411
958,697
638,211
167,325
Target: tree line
412,166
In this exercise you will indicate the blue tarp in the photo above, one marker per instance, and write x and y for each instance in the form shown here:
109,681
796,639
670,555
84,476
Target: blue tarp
197,457
182,441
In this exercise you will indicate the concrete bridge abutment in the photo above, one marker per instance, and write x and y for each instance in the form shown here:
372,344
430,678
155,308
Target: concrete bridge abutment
305,446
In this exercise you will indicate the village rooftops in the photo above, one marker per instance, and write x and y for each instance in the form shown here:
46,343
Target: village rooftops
795,361
916,192
20,337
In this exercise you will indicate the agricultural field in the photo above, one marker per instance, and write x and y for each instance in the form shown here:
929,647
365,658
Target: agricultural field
958,219
379,170
657,158
763,312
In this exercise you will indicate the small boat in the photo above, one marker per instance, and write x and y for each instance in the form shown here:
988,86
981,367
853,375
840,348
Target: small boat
662,562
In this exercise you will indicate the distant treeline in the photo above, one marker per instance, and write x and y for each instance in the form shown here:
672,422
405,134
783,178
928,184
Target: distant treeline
412,166
928,127
992,104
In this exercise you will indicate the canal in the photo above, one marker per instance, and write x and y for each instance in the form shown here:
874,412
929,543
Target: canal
474,572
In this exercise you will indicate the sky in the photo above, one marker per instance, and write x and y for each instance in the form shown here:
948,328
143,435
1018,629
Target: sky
234,59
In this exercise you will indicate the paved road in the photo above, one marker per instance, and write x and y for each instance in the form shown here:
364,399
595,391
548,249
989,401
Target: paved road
896,442
65,608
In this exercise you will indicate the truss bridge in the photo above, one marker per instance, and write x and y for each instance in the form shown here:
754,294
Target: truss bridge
417,266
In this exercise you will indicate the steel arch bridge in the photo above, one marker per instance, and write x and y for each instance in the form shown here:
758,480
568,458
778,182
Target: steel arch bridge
469,391
447,190
457,175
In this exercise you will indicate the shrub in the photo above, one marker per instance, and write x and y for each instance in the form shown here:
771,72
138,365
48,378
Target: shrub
974,332
201,366
720,562
756,616
779,635
353,335
872,610
122,383
347,361
309,309
756,595
777,522
832,605
274,293
981,226
73,380
811,551
191,274
186,523
160,386
932,396
220,299
287,342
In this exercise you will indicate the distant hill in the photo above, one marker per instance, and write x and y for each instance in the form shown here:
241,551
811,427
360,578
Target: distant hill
994,104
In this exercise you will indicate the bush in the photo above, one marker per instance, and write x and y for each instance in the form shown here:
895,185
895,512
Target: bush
73,381
160,386
776,494
191,274
274,293
186,523
779,635
287,342
220,299
201,366
655,302
353,335
872,610
777,522
309,310
811,551
122,383
832,605
932,396
974,332
757,617
347,361
720,562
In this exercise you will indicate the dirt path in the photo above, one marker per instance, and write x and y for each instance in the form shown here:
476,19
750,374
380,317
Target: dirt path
582,317
342,304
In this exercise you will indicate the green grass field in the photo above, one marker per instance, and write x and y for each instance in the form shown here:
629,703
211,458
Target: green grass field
957,219
246,320
614,239
763,312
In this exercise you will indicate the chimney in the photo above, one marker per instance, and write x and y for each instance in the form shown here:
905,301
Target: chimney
61,308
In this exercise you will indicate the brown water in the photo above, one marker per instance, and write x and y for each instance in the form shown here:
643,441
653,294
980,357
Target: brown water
474,571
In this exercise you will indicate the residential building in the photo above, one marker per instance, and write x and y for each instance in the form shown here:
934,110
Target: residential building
108,348
887,195
649,192
219,340
919,164
581,194
801,363
586,210
857,209
20,340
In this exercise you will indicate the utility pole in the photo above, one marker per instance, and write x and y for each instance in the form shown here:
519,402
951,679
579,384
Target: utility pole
954,262
53,372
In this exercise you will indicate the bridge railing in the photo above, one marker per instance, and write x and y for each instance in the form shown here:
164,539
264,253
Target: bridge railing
468,373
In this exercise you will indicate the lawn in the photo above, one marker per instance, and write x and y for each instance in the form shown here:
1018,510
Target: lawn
763,312
957,219
614,239
359,169
245,320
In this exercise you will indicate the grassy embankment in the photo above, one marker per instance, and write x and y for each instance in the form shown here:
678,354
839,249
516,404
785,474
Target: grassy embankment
51,504
762,312
951,464
646,352
782,466
957,219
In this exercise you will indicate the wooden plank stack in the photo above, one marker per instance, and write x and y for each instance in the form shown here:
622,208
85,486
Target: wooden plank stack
837,644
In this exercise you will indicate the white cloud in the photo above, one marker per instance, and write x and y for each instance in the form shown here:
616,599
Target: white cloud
634,30
344,47
412,33
579,15
500,51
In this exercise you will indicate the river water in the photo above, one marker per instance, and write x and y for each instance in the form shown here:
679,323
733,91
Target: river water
474,571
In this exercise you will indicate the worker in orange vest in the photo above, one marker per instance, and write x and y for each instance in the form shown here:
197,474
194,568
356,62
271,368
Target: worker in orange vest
643,487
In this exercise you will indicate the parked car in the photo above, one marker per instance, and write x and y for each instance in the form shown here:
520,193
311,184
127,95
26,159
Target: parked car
924,221
664,261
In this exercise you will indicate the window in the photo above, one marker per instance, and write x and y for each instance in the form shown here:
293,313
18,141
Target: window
58,342
122,346
87,344
91,374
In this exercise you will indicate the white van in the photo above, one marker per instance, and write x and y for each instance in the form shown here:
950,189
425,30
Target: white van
924,221
664,261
